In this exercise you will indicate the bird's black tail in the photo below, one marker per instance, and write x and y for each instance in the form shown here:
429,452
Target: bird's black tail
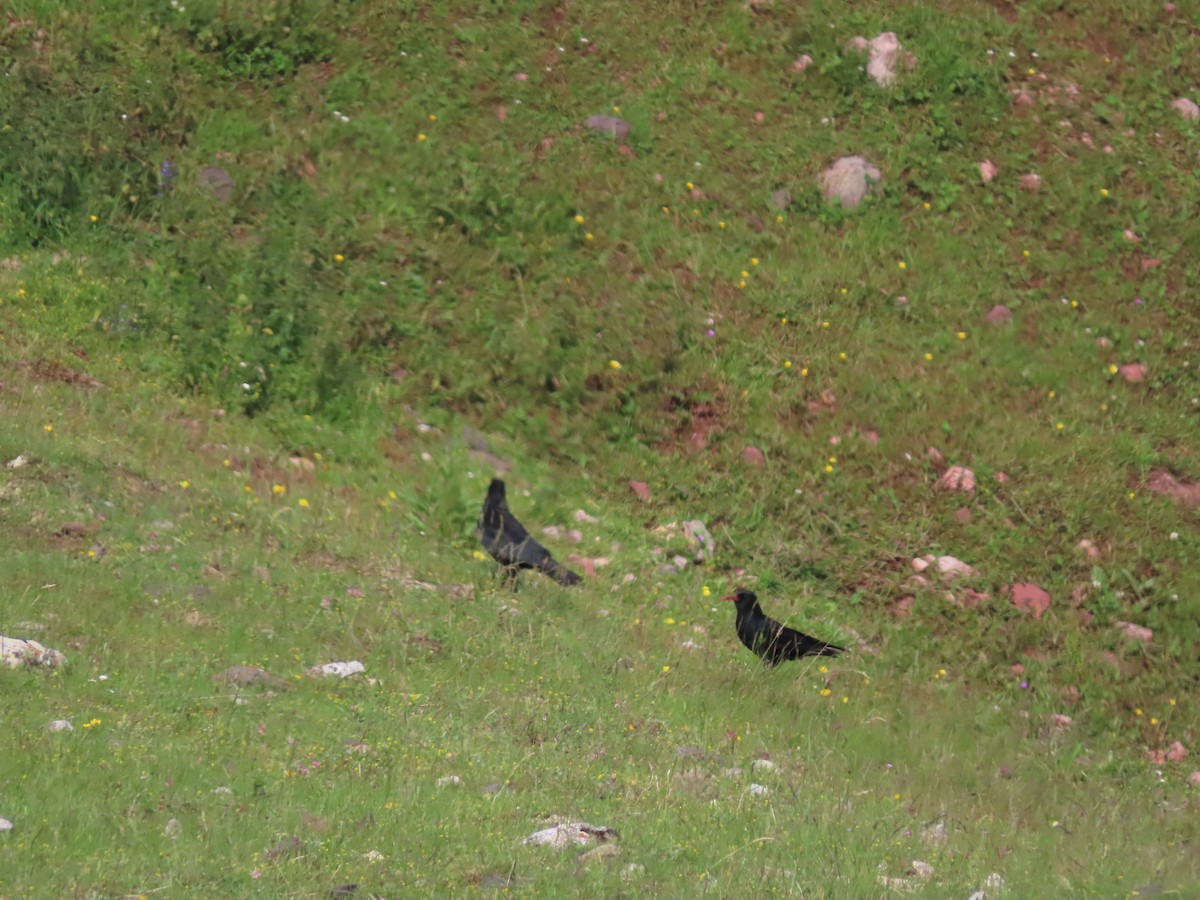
560,573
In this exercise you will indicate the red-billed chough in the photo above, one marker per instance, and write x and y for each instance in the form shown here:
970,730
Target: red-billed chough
511,545
772,640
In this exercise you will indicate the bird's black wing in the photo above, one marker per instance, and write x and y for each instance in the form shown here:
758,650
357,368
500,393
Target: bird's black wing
788,643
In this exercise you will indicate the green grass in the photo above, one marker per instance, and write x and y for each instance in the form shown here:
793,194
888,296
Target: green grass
418,241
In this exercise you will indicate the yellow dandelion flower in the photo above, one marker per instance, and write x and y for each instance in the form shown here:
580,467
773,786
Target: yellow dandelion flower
666,669
1153,720
824,324
391,495
669,621
1137,712
707,593
303,503
479,554
841,356
928,357
1103,192
227,462
962,335
787,363
1112,369
1171,702
1024,252
804,371
895,796
754,260
278,489
745,274
823,669
1060,426
845,699
1132,494
783,320
901,264
1074,304
720,224
825,692
421,137
779,218
741,284
589,237
94,218
690,186
613,364
926,206
833,459
843,292
1033,71
185,484
248,489
338,258
579,220
829,468
616,109
666,209
47,428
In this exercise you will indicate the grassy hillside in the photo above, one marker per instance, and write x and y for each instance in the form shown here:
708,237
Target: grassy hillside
284,284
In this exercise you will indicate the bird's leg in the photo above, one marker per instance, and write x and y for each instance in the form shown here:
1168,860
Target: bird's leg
510,577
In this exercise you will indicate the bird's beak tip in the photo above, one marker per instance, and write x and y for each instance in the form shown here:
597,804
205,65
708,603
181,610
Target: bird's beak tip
730,597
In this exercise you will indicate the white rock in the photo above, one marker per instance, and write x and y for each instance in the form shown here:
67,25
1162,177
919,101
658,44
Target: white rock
758,790
60,725
16,653
569,834
449,780
6,825
994,882
343,669
632,871
922,869
920,564
763,765
18,461
173,829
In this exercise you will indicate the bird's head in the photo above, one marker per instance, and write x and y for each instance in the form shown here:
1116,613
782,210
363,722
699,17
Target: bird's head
496,489
742,598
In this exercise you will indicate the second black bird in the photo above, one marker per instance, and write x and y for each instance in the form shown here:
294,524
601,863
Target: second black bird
511,545
772,640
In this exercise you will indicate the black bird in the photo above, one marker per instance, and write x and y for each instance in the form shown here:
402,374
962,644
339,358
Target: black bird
772,640
511,545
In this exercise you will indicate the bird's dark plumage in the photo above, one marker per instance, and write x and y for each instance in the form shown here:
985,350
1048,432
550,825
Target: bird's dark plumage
772,640
511,545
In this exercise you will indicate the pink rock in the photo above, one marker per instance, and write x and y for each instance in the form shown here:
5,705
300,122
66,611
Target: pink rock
1176,752
1130,236
957,478
641,489
1169,7
934,455
1133,372
802,62
1030,181
971,598
1186,108
1060,723
1023,97
902,608
886,55
1135,632
754,456
1085,617
1017,669
1030,598
501,113
520,76
963,515
1089,548
988,170
998,315
759,117
1150,263
1002,478
872,437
